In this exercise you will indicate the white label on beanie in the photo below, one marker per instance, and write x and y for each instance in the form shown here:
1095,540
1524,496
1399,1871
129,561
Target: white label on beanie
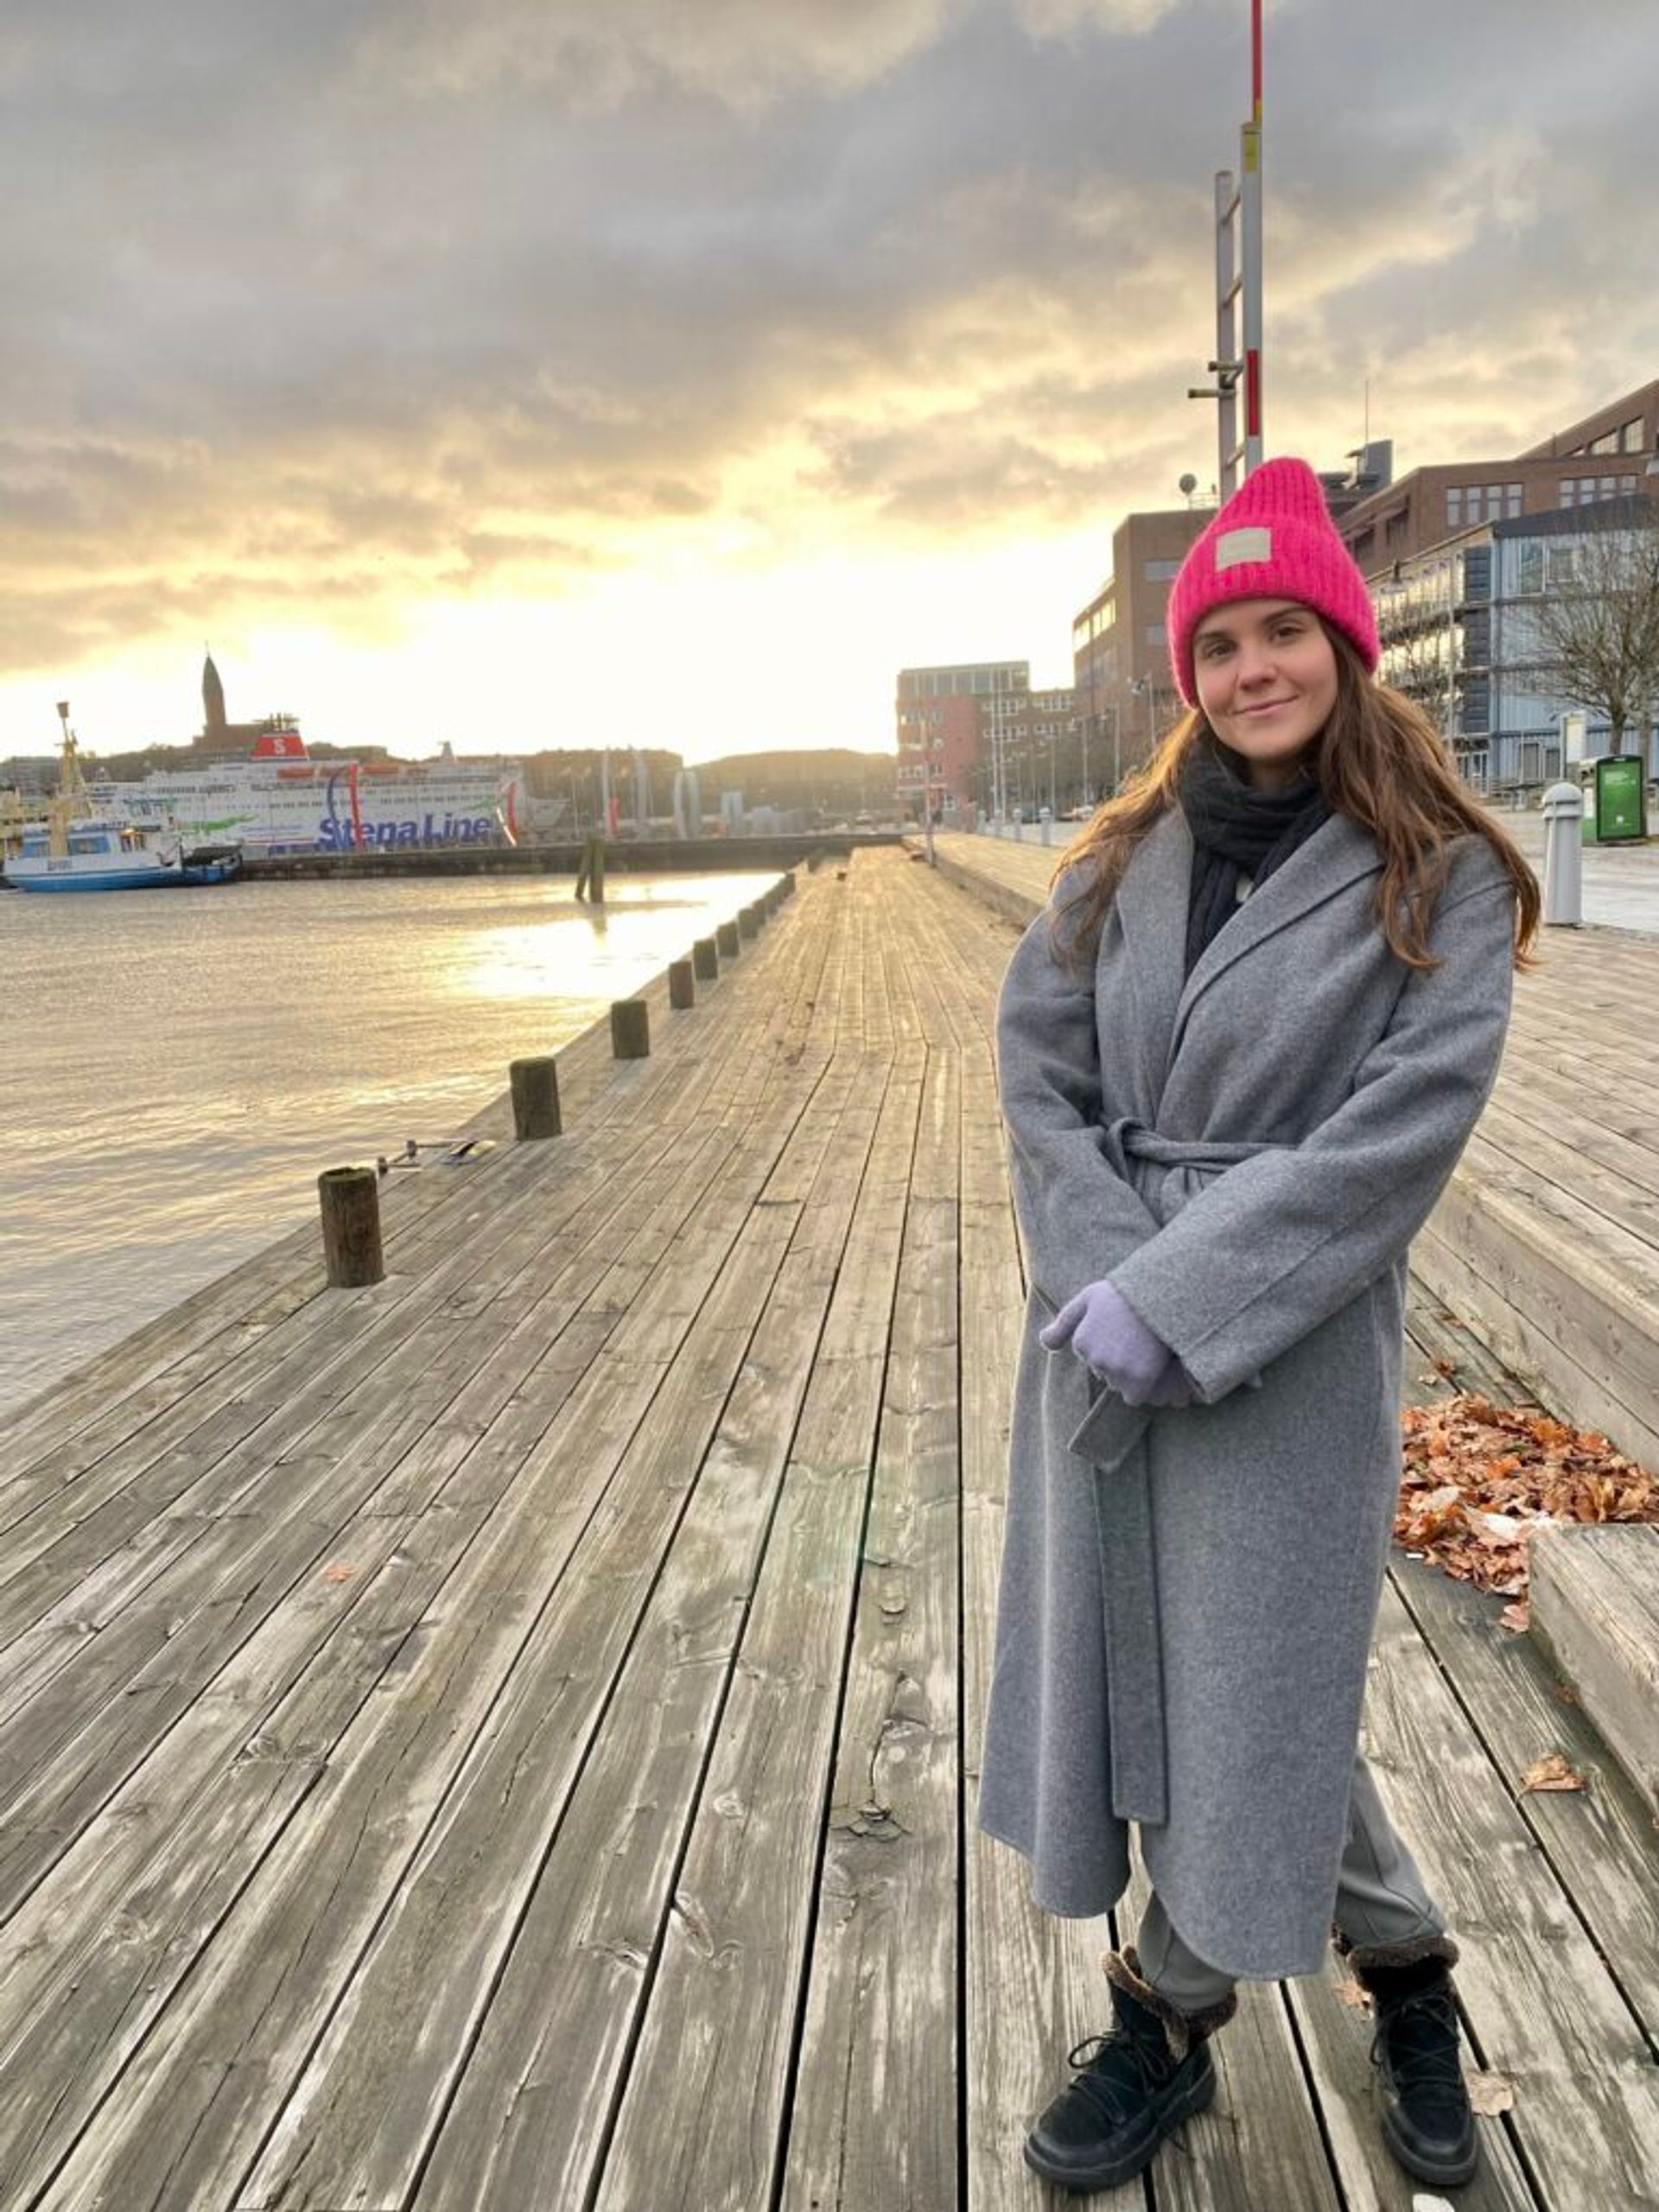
1235,545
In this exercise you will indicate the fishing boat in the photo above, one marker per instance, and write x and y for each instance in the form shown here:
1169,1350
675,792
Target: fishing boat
76,847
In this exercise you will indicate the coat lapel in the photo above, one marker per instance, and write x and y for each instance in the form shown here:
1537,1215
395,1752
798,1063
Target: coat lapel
1337,855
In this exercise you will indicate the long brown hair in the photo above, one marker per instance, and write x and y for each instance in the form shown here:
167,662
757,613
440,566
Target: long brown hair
1378,758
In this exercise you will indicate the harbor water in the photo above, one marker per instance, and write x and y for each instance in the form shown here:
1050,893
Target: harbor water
178,1066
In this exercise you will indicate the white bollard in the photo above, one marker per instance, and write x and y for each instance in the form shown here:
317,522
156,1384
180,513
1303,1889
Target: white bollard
1564,855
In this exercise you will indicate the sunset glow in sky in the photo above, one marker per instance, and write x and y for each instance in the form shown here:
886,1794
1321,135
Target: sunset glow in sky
533,372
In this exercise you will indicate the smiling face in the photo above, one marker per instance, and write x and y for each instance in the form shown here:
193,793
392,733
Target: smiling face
1266,675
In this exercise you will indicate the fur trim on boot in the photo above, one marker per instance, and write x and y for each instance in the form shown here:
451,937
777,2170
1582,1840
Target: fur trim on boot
1388,1956
1182,2029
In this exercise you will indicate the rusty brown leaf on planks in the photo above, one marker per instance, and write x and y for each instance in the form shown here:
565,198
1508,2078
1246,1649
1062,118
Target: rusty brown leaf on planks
1477,1477
339,1570
1551,1772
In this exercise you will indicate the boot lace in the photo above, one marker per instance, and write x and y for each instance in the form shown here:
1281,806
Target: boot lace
1117,2071
1419,2036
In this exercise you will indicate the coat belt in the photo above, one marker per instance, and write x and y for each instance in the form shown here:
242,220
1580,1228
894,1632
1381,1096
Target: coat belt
1167,1171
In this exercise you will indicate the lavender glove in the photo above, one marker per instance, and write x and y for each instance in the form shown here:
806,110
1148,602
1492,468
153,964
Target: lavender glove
1107,1335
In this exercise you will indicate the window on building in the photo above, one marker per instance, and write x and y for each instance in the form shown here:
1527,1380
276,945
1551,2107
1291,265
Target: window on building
1395,529
1607,442
1157,634
1512,500
1561,567
1454,506
1630,437
1365,545
1531,570
1161,572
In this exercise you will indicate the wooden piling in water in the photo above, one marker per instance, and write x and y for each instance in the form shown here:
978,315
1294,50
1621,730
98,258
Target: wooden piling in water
351,1227
535,1087
590,874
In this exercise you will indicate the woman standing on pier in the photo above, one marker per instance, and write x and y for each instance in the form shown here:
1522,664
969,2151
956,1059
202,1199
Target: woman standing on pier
1239,1056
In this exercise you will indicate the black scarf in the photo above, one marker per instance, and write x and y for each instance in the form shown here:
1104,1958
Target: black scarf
1237,830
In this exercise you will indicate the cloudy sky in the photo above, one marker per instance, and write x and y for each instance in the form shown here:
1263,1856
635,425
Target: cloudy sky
529,372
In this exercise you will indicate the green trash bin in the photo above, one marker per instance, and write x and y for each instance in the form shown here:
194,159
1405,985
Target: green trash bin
1621,797
1584,773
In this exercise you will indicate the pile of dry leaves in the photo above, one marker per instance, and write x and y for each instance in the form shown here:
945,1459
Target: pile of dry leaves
1479,1477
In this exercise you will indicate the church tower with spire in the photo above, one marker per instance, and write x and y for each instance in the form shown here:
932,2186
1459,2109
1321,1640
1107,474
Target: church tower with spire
215,731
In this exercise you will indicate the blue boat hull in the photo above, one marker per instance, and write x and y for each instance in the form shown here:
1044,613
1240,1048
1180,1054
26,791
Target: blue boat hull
160,879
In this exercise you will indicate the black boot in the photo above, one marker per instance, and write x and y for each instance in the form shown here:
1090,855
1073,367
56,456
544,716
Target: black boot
1135,2086
1426,2120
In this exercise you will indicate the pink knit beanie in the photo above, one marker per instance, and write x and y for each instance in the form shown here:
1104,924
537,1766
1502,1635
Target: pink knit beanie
1274,539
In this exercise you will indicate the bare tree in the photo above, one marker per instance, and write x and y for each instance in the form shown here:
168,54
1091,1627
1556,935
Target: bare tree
1418,627
1597,626
1419,662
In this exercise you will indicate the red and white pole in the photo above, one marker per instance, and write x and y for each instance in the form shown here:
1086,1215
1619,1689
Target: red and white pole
1250,211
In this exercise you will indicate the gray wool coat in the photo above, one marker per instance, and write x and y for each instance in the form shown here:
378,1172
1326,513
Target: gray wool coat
1187,1596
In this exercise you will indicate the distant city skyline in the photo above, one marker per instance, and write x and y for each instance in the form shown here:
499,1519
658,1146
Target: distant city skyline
539,374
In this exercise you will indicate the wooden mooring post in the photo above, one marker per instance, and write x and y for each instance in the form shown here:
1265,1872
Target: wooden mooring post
748,921
725,937
705,960
535,1087
590,875
630,1029
682,986
351,1227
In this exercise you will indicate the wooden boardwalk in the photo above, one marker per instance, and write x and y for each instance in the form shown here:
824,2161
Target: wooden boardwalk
506,1739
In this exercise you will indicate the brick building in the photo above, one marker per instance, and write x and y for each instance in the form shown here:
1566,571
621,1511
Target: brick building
1459,556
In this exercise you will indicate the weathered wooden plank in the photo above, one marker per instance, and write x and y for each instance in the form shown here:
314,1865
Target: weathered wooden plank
1610,1142
376,1433
1516,1298
173,1912
1541,2006
1600,1840
500,1262
524,2130
332,1870
699,2123
356,2126
359,2124
1595,1610
873,2116
1574,1171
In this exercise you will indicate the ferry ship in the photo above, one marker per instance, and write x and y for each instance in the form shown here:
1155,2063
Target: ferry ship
277,799
75,846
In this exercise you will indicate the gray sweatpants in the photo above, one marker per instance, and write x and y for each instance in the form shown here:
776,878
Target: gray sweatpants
1379,1900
